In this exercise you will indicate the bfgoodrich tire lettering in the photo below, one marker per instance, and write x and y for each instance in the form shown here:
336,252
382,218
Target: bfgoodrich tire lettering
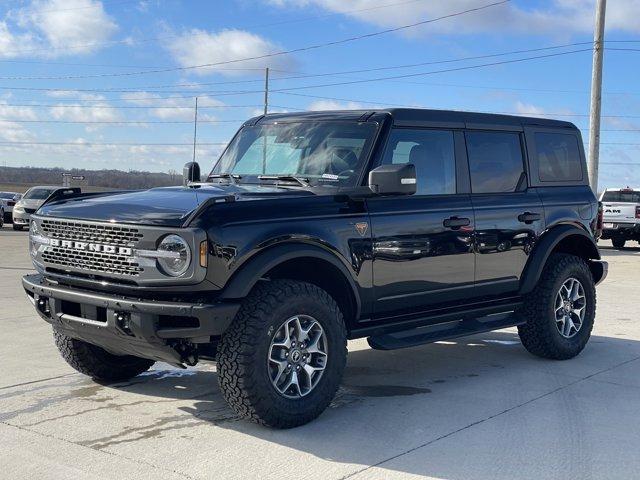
96,362
243,372
540,335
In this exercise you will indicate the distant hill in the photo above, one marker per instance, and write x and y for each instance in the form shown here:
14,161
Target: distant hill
21,178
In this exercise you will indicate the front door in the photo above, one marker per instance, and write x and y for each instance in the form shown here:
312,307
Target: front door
423,243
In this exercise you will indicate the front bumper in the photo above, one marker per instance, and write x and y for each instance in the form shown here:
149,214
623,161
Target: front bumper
21,219
127,326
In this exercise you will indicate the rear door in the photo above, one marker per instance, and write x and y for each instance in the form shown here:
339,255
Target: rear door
422,244
509,215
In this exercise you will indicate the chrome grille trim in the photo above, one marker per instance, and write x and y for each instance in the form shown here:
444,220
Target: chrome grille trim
92,261
98,233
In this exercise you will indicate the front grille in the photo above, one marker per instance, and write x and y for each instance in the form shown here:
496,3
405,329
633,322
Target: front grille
93,261
29,210
95,233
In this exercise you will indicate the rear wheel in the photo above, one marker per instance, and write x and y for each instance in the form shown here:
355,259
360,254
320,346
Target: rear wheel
281,361
561,309
618,242
96,362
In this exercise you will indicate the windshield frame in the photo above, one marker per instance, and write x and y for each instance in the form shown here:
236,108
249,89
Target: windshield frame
254,179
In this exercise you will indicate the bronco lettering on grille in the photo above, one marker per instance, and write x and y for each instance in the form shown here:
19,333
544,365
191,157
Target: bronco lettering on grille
91,247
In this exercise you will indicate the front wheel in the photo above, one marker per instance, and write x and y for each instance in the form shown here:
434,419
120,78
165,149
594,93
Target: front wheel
281,361
96,362
618,242
560,311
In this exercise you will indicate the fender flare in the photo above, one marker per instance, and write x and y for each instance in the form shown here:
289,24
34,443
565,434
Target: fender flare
543,249
251,271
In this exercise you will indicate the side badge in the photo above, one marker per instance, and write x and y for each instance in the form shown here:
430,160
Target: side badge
362,227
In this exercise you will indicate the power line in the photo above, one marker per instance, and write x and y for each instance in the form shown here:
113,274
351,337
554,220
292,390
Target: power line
324,74
119,122
350,82
113,144
382,105
300,49
118,107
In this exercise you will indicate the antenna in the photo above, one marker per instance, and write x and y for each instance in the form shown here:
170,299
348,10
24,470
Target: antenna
195,130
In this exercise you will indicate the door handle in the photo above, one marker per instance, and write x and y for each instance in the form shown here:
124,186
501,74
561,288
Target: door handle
456,222
528,217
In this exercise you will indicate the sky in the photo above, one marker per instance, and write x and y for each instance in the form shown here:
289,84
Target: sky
112,83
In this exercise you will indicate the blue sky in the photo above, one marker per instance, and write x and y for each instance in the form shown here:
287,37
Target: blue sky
95,84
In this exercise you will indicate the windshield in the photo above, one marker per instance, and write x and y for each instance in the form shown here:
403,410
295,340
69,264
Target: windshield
323,153
629,196
38,194
9,195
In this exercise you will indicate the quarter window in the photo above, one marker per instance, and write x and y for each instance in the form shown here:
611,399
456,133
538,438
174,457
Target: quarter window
558,157
495,161
432,153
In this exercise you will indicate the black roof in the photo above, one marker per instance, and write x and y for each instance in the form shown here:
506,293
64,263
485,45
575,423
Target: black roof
419,116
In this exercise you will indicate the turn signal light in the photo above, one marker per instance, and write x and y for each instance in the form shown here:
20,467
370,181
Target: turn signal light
637,212
203,253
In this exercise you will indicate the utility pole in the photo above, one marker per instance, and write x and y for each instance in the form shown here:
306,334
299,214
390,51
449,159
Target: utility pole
596,95
266,91
195,129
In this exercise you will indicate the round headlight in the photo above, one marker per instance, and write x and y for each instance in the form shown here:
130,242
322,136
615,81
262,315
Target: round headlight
174,255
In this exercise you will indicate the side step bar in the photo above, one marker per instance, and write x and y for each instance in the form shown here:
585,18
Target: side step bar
444,331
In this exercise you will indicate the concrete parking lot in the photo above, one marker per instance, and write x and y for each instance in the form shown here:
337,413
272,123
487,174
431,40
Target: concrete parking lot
476,408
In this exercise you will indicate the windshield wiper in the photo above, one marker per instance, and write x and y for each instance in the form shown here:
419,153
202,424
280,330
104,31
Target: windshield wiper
286,178
233,178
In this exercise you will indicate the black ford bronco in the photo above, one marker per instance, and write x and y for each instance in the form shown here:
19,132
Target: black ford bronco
404,226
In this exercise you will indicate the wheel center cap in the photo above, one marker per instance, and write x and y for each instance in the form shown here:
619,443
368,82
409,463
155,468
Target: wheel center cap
296,356
567,306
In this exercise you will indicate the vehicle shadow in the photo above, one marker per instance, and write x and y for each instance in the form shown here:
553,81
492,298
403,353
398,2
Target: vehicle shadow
394,402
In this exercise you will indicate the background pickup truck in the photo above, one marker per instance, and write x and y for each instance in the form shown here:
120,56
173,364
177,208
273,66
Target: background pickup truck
621,215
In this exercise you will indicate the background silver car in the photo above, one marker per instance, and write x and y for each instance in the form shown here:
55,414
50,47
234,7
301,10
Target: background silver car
7,202
29,203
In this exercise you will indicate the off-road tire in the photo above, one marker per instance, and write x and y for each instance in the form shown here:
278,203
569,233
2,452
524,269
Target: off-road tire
243,351
96,362
540,335
618,242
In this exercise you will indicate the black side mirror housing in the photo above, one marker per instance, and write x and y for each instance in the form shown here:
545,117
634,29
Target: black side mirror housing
190,173
398,179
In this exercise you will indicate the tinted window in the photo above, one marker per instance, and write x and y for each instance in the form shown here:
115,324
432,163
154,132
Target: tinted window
558,157
432,153
495,161
629,196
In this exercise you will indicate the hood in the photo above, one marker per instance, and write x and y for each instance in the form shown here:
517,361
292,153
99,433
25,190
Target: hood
166,206
29,203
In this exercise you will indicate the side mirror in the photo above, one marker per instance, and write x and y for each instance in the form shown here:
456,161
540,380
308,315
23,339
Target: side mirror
399,179
190,173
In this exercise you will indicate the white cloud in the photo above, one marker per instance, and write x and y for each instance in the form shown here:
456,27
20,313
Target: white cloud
54,28
335,105
198,47
554,17
173,108
11,131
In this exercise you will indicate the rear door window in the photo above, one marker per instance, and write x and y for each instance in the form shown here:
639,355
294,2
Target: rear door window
495,161
558,157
